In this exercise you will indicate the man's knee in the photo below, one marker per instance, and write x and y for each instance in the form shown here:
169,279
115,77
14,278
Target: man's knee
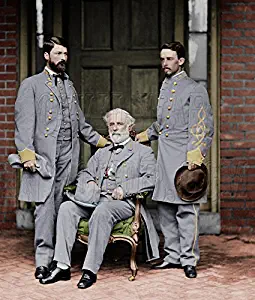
66,208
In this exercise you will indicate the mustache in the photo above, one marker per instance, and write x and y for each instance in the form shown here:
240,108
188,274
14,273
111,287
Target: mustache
62,62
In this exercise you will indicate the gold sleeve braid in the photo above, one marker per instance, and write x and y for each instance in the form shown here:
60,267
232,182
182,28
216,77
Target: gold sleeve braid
26,155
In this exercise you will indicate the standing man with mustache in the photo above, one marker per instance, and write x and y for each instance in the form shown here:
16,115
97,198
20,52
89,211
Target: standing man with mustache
49,123
184,130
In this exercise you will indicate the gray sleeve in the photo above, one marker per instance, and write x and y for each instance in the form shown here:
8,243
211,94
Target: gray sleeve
200,122
25,120
86,131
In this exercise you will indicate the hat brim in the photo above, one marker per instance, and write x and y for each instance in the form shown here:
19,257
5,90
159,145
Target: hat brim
183,193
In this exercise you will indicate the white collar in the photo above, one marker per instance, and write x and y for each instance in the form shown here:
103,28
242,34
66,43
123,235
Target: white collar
178,74
124,143
50,71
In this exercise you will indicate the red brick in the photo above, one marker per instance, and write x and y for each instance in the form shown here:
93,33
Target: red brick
244,109
243,58
250,67
231,33
11,19
243,213
11,85
250,50
11,69
226,110
233,84
249,100
250,204
11,52
232,136
244,24
224,145
232,153
232,222
245,92
226,59
232,50
243,8
226,24
232,16
233,67
226,42
226,92
244,75
230,118
233,100
4,93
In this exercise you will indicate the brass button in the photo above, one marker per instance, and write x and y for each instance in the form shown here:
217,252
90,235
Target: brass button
49,117
75,101
171,99
126,176
51,99
49,78
50,112
46,135
169,107
51,94
50,83
159,132
77,113
167,117
167,126
166,134
173,91
47,129
175,83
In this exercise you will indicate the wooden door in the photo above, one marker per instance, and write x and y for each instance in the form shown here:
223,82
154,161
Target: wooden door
114,56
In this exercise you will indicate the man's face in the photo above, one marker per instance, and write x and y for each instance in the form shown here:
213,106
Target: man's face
57,58
118,128
170,63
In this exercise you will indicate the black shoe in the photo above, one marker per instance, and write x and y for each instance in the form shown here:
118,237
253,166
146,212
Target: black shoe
56,275
87,279
190,271
166,265
41,272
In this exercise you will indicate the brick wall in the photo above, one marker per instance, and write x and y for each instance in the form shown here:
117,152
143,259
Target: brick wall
8,85
238,116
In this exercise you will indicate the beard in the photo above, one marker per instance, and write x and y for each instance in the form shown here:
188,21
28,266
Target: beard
60,67
119,137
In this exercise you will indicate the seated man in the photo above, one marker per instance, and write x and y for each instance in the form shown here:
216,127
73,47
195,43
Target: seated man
118,171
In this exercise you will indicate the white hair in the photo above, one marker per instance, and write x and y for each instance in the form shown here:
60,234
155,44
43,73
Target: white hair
129,119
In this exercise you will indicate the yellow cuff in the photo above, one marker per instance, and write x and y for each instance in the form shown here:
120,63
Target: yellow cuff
195,157
102,142
26,155
142,137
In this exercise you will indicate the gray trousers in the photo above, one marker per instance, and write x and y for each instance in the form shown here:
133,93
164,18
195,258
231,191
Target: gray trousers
101,221
46,213
179,225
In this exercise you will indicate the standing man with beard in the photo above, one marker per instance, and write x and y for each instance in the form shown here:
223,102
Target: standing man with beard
49,123
184,130
115,173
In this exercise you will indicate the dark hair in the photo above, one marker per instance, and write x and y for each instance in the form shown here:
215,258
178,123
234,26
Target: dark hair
175,46
48,44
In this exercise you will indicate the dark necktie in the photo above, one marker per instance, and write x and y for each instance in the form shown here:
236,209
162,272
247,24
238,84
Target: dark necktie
116,147
60,76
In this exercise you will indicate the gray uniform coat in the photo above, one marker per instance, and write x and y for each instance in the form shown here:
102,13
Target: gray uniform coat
38,118
184,129
135,173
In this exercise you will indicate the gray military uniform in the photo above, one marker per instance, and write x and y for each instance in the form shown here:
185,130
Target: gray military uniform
49,123
134,171
184,129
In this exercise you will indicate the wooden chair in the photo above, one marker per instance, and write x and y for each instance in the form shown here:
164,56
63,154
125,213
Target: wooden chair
130,233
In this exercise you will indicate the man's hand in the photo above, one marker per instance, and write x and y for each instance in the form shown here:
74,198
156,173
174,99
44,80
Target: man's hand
142,137
192,166
118,193
30,165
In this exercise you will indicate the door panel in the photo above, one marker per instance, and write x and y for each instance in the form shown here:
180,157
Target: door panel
114,56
